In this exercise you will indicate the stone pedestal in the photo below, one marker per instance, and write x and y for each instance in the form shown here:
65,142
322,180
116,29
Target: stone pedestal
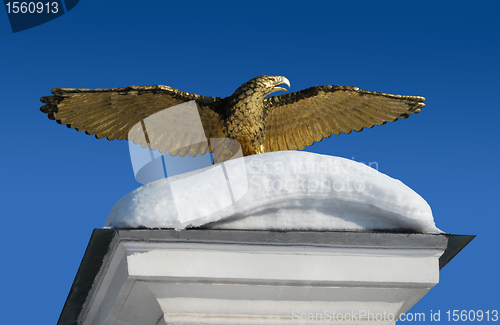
152,277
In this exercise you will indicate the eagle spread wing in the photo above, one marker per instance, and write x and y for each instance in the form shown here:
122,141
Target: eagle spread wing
247,118
299,119
121,113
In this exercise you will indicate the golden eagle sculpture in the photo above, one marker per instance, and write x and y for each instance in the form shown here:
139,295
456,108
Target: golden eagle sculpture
259,123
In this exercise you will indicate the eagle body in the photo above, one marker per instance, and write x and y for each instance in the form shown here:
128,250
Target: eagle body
245,121
246,124
257,122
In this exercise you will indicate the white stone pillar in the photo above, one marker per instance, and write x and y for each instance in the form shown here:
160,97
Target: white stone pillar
251,277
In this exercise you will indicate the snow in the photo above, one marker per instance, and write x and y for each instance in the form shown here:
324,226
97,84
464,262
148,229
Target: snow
287,190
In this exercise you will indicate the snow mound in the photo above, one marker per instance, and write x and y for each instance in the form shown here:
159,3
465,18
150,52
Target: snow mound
288,190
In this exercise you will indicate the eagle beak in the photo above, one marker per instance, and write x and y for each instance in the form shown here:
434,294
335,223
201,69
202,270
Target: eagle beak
281,81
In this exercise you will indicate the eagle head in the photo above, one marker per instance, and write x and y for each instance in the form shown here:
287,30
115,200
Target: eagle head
263,85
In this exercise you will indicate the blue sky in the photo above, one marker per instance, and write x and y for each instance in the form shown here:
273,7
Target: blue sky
59,184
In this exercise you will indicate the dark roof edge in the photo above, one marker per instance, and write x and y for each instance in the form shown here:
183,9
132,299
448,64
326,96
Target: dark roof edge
92,261
455,244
